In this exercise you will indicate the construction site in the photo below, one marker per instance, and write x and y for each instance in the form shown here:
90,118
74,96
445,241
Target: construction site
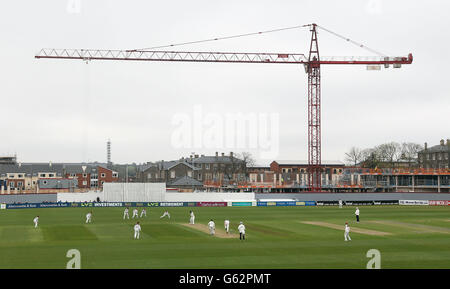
314,180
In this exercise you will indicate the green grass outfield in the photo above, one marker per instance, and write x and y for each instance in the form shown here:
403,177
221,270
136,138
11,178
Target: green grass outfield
276,238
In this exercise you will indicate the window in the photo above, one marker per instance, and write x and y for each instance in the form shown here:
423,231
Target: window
207,166
12,176
11,185
44,182
189,173
84,175
199,176
42,175
115,175
51,175
103,175
149,176
19,184
172,174
84,183
20,176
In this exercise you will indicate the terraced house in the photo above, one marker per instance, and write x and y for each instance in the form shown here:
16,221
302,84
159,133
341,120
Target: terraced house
16,177
196,171
435,157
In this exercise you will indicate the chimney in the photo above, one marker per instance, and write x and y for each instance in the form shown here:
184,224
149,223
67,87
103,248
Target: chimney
223,154
196,156
231,154
426,146
448,142
217,154
50,163
442,142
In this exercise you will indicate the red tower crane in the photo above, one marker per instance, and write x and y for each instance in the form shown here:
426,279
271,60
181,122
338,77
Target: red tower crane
312,65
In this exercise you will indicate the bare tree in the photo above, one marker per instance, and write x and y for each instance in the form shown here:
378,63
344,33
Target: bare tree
389,153
370,158
354,156
409,152
236,168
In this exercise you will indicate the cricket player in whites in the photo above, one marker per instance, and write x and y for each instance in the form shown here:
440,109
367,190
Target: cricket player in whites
36,221
212,227
88,217
135,213
347,233
125,213
357,214
241,229
192,219
226,223
340,204
166,213
143,212
137,231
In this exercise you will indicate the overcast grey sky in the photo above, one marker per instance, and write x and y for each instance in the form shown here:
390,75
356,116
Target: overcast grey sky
64,111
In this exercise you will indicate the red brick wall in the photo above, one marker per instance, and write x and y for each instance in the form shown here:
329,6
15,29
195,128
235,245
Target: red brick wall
81,179
274,167
108,178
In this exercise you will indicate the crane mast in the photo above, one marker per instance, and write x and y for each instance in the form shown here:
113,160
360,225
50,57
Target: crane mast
312,65
314,128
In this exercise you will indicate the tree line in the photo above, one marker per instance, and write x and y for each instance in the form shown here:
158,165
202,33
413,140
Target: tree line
385,155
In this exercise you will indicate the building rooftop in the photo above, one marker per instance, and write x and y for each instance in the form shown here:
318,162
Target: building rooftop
185,181
305,162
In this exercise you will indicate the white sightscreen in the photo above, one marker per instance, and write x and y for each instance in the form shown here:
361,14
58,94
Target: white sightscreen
134,192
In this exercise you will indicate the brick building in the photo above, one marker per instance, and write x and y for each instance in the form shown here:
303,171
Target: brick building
435,157
217,169
31,177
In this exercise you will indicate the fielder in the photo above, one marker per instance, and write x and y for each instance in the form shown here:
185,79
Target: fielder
125,213
340,204
135,213
347,233
241,229
143,212
227,225
192,219
212,227
36,221
357,214
88,217
166,213
137,231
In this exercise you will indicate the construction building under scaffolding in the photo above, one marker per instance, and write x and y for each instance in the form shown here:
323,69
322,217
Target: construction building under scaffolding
350,179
